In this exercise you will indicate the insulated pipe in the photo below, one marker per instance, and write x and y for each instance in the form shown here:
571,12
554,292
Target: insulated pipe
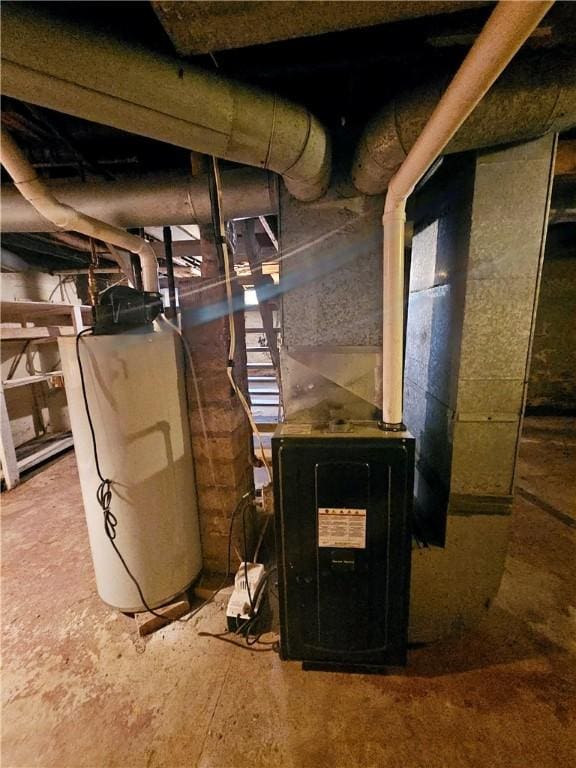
509,25
534,96
153,200
91,75
68,219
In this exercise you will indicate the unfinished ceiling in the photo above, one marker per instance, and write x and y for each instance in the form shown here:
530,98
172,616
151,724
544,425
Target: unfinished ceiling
204,27
324,56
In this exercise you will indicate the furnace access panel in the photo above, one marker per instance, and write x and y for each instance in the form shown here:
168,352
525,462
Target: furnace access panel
343,505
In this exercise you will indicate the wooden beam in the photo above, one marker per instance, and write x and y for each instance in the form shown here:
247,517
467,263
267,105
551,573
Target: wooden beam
7,449
180,248
26,380
23,308
43,453
565,158
41,332
96,270
268,229
147,623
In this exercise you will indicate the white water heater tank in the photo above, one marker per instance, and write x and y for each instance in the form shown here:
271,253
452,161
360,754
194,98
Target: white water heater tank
137,398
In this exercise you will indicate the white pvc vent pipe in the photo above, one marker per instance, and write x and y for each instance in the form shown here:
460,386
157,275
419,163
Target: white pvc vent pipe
67,218
509,25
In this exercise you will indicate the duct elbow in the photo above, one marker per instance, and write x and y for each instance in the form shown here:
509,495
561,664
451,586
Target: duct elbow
283,137
309,189
149,266
535,95
66,68
379,154
309,176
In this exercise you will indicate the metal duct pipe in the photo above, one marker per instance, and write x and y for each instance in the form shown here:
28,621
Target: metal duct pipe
502,36
534,96
69,219
76,70
148,201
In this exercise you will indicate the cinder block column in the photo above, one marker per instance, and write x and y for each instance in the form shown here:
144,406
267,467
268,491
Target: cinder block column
221,434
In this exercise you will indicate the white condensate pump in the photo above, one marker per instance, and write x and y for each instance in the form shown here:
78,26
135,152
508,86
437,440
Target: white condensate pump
246,598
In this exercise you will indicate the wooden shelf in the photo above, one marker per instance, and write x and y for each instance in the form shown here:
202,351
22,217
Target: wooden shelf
26,380
267,426
26,310
45,315
40,332
34,321
45,449
36,451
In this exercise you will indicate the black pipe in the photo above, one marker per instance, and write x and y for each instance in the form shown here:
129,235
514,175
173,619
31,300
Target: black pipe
167,232
136,271
135,261
217,223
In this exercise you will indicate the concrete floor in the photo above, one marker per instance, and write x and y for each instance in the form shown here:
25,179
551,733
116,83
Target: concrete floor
81,689
547,468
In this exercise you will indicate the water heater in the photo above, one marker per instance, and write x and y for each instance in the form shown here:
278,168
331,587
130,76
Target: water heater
343,502
136,394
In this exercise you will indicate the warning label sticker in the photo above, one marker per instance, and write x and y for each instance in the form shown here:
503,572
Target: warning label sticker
345,528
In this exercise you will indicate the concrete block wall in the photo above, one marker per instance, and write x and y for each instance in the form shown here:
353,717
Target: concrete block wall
552,383
221,434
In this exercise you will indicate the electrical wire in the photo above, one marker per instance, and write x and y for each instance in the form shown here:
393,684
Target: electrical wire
17,359
261,538
225,638
252,604
30,367
252,599
104,498
220,233
245,627
190,359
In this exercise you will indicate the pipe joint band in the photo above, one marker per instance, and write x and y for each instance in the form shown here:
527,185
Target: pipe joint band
394,215
386,426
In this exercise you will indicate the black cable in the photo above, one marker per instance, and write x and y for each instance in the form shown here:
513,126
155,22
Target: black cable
248,643
217,226
225,639
252,608
215,211
104,490
104,498
242,628
17,359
